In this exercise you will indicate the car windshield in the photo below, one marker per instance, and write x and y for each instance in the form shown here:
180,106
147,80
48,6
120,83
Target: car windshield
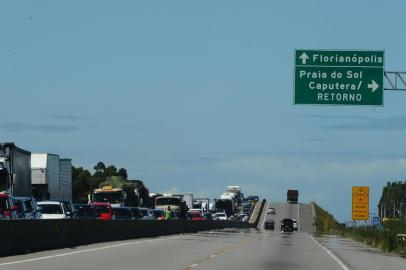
19,204
144,212
167,201
136,212
28,205
102,209
122,212
194,215
287,222
86,210
51,209
110,197
157,214
67,205
4,204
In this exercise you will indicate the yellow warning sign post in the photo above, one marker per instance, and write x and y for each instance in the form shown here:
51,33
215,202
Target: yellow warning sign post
360,203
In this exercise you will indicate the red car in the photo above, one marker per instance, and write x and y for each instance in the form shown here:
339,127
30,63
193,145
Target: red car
7,208
104,209
195,216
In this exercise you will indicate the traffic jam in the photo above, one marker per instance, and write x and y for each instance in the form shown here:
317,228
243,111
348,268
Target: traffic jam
108,203
39,186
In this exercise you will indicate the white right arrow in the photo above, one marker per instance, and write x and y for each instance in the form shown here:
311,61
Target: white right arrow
304,58
373,86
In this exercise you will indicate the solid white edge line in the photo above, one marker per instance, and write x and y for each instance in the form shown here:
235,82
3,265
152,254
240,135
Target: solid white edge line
343,266
87,250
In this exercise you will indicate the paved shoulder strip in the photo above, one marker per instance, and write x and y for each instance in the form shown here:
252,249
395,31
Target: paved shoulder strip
87,250
341,263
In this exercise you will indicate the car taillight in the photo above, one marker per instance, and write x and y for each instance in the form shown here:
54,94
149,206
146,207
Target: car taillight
7,214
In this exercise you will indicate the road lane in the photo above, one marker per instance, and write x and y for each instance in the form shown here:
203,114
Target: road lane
227,249
273,250
301,212
173,252
221,249
306,218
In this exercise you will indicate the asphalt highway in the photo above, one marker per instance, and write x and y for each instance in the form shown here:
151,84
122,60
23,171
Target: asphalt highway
222,249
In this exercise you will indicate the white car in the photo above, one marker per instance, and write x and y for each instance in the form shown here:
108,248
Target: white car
52,210
220,216
270,211
294,224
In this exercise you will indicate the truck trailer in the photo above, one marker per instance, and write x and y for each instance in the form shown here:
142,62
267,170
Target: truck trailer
292,196
51,177
15,170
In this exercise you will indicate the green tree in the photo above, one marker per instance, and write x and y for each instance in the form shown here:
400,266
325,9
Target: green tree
111,171
80,183
123,173
100,167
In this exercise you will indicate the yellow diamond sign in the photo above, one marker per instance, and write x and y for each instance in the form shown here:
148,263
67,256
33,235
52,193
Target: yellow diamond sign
360,203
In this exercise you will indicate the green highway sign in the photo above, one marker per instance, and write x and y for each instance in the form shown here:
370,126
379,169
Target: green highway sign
337,77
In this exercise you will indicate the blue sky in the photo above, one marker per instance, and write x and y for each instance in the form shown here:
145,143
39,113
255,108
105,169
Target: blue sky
195,95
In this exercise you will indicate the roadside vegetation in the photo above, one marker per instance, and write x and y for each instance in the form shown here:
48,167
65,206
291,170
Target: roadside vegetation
383,237
325,222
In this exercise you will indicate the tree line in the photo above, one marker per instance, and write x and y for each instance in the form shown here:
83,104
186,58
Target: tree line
393,200
84,182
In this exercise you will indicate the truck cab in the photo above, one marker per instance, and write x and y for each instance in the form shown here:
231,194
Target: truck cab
168,201
107,194
225,205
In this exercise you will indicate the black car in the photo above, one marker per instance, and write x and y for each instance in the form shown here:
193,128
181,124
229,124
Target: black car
208,216
70,208
287,225
269,225
85,211
122,213
136,213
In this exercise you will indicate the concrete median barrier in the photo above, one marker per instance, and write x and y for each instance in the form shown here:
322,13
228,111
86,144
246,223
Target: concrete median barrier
23,236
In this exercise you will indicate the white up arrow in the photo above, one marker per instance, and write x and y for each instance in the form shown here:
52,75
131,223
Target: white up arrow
373,86
304,58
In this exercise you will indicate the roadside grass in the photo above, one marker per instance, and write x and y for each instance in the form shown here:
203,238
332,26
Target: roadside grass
384,238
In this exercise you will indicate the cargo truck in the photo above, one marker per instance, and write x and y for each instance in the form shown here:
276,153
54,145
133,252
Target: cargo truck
292,196
115,191
236,190
224,205
15,170
51,177
175,203
188,199
141,191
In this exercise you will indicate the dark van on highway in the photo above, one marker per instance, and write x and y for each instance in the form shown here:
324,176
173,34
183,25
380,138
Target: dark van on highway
287,225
